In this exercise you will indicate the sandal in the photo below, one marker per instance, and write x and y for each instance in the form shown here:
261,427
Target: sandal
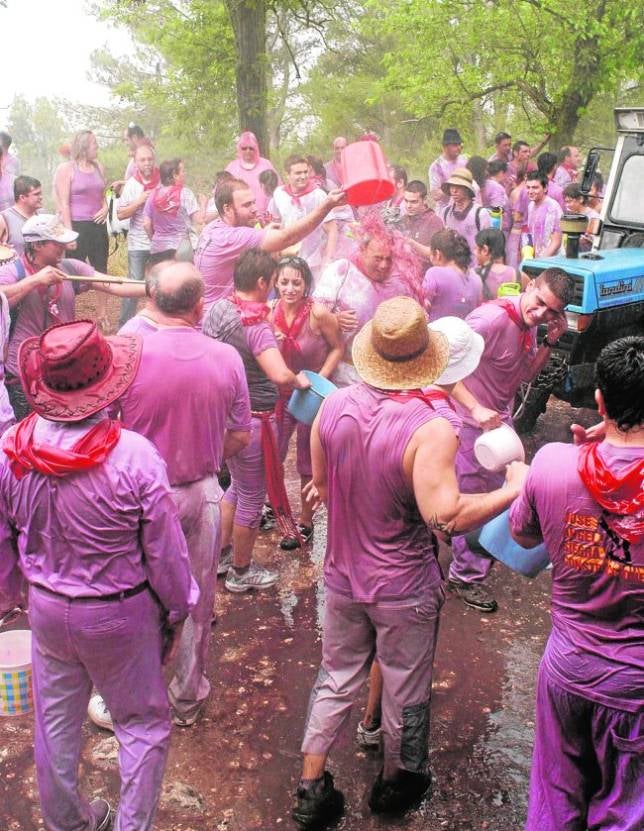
291,543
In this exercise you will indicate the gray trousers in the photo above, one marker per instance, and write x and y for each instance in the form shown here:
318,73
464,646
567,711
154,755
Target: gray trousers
402,635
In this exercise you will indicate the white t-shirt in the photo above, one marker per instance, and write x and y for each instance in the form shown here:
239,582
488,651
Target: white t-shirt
137,239
289,210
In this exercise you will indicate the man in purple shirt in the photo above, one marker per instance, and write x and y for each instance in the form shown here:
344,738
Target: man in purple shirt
224,240
383,584
462,214
569,162
547,165
40,293
503,148
587,504
419,222
190,399
442,168
543,216
484,399
86,517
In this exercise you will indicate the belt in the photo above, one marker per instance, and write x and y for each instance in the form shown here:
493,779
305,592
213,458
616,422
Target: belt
108,598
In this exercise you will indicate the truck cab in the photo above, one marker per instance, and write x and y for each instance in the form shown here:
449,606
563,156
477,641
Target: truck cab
608,301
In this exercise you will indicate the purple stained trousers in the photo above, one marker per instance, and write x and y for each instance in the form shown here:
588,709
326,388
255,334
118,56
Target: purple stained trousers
472,478
115,646
588,764
402,635
247,490
198,505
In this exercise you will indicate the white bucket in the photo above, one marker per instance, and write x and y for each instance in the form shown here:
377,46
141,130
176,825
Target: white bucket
16,696
496,448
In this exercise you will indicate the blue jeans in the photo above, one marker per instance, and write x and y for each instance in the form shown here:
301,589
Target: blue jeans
136,261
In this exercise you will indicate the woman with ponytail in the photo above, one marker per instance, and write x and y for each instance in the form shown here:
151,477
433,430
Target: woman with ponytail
451,286
490,260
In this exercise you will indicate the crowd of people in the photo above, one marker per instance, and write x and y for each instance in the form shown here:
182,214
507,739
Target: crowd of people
116,516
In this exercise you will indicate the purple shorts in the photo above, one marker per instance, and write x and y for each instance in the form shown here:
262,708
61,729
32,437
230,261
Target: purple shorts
247,490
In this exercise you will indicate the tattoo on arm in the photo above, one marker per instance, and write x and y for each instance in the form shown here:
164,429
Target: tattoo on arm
434,524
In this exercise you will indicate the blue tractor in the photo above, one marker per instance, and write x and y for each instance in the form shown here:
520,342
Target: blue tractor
609,280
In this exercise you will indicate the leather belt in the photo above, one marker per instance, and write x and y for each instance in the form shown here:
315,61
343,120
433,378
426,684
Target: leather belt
106,598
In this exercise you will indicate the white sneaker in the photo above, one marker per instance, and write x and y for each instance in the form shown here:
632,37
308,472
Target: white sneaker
257,577
225,560
99,714
368,738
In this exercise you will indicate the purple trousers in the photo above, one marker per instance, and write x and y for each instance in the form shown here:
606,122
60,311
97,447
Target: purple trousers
285,428
247,490
115,646
198,507
402,635
588,764
466,565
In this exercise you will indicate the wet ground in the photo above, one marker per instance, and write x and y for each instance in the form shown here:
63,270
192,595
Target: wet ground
236,769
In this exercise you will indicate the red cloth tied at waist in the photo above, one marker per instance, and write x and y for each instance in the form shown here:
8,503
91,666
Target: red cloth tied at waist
25,455
621,497
274,471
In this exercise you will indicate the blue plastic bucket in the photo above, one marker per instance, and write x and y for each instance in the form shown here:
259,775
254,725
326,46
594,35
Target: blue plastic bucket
496,539
304,404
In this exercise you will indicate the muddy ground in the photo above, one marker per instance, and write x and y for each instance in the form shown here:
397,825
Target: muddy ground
236,769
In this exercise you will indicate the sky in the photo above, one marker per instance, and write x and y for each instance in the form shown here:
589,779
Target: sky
46,48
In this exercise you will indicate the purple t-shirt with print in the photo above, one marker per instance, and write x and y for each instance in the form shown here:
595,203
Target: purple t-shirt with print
596,648
452,292
170,230
220,246
543,222
34,312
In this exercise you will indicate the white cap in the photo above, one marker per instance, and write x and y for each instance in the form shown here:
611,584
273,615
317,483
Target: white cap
47,227
465,348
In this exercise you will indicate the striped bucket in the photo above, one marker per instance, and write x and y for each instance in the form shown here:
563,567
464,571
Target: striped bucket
16,696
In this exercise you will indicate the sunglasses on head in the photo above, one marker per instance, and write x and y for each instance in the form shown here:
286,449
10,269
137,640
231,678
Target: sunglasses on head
248,148
298,262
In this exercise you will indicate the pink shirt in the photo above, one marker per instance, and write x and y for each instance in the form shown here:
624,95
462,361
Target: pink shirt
86,194
543,222
564,176
98,531
494,195
169,230
440,171
378,547
504,363
220,246
139,324
452,292
251,177
34,311
187,391
596,648
495,279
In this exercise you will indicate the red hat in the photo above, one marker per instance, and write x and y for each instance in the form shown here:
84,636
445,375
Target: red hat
72,370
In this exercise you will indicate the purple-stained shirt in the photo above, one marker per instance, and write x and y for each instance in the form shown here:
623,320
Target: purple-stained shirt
467,224
34,310
421,227
543,222
251,177
138,324
86,194
220,246
439,172
451,291
188,390
494,195
564,176
555,191
495,279
7,417
505,362
343,286
596,647
378,547
7,198
98,531
170,230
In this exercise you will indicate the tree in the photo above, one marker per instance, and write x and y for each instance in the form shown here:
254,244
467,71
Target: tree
548,58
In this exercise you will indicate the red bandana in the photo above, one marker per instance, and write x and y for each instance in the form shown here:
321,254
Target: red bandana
251,311
168,199
428,396
154,181
295,197
274,470
289,347
512,312
89,451
622,497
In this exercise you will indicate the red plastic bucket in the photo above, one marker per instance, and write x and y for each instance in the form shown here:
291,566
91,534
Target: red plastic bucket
365,174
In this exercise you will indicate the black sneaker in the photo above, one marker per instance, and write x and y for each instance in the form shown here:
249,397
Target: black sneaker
319,804
291,543
393,796
474,595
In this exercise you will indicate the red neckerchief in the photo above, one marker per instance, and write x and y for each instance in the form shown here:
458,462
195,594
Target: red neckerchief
154,181
511,311
622,497
289,347
426,396
167,199
89,451
295,197
251,311
49,294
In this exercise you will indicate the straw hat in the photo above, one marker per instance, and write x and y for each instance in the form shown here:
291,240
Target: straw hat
72,371
465,348
396,350
461,176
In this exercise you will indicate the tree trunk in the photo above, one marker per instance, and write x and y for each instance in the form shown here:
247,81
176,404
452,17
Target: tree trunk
248,19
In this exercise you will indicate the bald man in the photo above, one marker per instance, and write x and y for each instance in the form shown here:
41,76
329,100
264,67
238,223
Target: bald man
334,168
190,398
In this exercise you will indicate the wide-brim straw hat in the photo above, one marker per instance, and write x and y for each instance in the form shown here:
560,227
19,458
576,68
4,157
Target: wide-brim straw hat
396,350
465,348
72,370
461,176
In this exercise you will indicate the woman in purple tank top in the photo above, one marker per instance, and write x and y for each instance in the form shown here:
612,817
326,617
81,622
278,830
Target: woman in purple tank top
81,190
309,338
490,260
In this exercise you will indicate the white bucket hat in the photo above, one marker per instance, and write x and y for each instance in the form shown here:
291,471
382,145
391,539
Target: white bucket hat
465,348
45,228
